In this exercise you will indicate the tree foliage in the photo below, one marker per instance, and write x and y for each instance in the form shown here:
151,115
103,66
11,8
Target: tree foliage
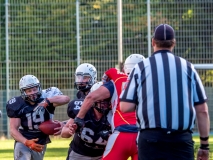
42,35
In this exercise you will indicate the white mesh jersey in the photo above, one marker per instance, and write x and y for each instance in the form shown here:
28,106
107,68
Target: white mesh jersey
50,92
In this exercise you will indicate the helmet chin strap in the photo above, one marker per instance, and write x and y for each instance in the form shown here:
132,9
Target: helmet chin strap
84,88
38,95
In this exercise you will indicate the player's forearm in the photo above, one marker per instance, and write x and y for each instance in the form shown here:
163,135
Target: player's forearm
86,105
17,136
203,121
59,100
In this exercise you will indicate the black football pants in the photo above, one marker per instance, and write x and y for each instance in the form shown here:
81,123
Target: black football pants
154,145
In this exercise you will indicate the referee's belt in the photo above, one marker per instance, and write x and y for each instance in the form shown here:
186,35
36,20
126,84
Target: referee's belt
167,131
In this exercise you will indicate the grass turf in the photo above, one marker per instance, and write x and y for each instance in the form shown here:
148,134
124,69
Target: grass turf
57,150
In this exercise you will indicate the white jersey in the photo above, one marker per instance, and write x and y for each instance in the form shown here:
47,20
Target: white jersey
50,92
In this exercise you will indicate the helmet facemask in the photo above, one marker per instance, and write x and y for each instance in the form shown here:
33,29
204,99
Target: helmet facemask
103,106
83,82
31,97
30,82
85,77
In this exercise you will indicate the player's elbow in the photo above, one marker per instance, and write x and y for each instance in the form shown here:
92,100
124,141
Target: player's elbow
66,99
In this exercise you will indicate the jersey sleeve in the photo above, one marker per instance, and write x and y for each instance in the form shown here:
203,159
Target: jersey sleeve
110,86
74,107
129,92
51,92
14,107
199,94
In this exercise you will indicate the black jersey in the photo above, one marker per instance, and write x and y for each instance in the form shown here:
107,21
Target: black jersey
81,95
88,142
30,120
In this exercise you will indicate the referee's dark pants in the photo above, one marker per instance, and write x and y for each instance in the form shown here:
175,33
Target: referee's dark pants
160,144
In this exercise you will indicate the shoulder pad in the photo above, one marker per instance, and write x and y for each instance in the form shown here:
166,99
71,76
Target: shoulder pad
14,107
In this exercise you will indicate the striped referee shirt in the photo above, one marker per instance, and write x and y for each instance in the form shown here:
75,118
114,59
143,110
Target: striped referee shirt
165,89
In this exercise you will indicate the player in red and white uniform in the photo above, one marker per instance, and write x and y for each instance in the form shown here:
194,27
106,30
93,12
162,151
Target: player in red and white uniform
122,143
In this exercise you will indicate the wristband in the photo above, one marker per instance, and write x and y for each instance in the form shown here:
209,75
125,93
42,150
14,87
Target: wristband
48,102
204,146
204,138
80,124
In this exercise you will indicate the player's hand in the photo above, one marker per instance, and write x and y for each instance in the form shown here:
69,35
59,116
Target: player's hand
33,145
105,78
42,105
79,123
105,134
203,152
72,128
58,128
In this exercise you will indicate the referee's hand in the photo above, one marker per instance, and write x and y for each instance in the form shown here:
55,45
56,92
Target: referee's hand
202,154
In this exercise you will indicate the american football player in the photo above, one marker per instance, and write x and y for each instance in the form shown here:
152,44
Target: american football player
88,142
85,77
122,142
27,112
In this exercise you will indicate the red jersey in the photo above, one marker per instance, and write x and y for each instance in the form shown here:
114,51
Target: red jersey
119,118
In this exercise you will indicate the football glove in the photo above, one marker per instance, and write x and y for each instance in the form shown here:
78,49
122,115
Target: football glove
34,146
42,105
80,124
104,134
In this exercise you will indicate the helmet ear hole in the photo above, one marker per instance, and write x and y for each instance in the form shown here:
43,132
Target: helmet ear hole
131,61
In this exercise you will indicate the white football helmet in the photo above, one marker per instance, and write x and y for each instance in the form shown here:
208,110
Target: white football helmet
102,106
30,81
131,61
85,77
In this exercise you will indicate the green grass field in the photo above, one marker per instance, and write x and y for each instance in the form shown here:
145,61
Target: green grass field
57,150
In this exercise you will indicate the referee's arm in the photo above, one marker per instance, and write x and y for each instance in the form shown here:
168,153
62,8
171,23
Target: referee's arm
203,122
127,107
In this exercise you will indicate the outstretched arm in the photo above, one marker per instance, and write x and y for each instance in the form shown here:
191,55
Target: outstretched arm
59,100
99,94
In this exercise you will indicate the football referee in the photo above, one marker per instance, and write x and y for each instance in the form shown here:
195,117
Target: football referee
168,95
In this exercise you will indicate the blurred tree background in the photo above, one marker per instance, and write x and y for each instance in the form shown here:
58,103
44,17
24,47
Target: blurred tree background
43,42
